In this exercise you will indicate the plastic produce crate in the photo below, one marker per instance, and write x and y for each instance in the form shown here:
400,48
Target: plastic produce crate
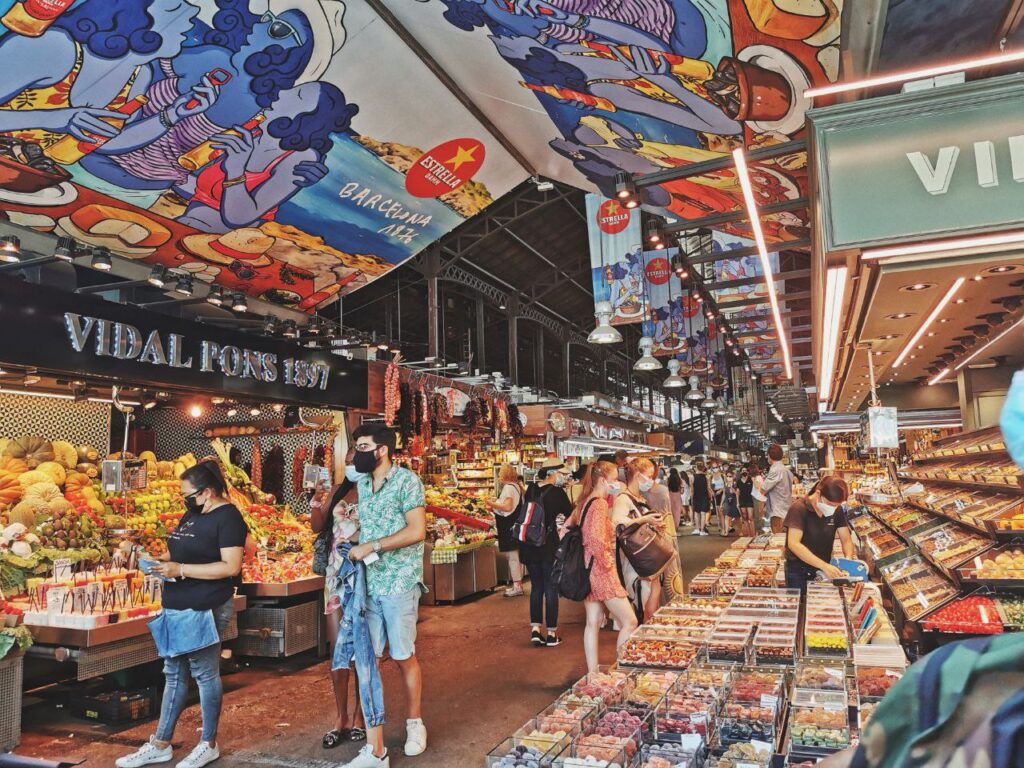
11,671
278,632
116,707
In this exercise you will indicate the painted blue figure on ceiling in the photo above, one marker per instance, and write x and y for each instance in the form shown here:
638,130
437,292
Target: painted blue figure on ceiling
625,279
92,60
240,67
273,164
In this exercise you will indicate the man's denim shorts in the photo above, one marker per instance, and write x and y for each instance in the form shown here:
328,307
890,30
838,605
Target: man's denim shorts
392,620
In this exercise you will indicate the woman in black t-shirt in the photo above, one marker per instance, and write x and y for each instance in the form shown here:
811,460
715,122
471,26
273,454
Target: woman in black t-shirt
812,525
701,500
745,488
203,566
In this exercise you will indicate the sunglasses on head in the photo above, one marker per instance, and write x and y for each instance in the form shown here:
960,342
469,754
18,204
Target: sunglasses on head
242,270
279,28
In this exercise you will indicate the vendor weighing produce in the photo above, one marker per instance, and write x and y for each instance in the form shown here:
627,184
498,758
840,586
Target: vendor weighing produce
812,524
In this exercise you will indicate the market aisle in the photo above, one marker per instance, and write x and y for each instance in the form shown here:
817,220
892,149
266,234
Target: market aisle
482,680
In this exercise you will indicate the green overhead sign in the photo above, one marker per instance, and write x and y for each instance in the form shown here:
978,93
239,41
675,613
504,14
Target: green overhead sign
921,166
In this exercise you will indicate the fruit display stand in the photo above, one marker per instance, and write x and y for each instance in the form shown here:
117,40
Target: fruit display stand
460,558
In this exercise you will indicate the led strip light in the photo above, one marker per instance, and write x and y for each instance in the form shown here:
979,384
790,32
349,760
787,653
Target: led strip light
942,374
835,286
934,246
931,319
762,251
916,74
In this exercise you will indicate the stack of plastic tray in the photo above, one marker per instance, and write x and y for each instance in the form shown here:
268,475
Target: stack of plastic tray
751,710
732,581
704,584
688,752
659,648
605,687
647,687
818,731
692,704
825,627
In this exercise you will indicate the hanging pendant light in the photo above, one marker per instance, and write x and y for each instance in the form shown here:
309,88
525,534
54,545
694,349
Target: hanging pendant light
720,407
647,361
694,395
604,333
674,380
709,403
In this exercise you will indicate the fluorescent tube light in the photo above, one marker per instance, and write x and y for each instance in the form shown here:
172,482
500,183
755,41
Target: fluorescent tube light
835,286
762,251
929,320
935,246
916,74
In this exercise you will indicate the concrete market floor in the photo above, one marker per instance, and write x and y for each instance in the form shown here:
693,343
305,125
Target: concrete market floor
481,677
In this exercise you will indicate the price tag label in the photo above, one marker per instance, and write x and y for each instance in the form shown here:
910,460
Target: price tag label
55,599
79,600
121,592
63,570
261,556
761,746
747,765
93,593
984,614
769,702
924,601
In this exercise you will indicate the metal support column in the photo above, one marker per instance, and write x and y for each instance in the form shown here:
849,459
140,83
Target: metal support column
539,356
481,345
566,366
431,269
513,340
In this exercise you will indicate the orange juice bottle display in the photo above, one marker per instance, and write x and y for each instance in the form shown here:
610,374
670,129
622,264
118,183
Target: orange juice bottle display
32,17
199,156
71,149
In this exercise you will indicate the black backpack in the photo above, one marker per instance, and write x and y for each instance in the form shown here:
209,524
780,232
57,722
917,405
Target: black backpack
571,572
531,523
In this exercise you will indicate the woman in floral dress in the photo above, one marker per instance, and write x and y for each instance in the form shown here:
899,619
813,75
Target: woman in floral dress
607,594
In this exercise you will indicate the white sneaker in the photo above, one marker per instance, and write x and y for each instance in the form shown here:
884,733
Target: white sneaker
415,738
695,532
202,755
147,754
366,759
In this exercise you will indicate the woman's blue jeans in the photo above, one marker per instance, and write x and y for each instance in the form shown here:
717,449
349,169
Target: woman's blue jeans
204,666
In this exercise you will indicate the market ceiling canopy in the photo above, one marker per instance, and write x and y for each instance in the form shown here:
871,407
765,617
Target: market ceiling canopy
298,149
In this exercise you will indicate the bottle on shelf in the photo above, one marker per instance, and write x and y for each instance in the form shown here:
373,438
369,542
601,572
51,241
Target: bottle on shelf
33,17
199,156
71,149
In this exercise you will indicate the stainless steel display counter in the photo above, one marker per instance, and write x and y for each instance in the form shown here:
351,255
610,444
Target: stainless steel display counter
475,570
112,648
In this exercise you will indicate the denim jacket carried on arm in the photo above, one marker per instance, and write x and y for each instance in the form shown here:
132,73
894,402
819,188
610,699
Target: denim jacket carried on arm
354,639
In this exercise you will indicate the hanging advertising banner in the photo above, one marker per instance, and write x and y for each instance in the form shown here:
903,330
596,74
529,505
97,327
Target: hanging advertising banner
616,258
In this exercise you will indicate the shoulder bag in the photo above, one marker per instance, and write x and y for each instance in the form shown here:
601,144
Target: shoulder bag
646,548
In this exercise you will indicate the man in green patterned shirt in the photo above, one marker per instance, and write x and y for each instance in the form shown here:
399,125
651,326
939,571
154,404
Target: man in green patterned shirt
393,525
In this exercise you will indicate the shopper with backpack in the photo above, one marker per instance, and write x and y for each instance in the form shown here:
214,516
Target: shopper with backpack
536,530
607,594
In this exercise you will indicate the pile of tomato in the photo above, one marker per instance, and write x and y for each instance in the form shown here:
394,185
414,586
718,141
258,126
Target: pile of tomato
974,615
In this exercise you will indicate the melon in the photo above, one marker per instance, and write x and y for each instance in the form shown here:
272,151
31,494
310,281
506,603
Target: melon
86,453
33,450
56,471
23,512
11,464
65,453
43,492
28,479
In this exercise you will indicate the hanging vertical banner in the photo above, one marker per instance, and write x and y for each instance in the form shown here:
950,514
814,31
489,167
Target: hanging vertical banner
616,258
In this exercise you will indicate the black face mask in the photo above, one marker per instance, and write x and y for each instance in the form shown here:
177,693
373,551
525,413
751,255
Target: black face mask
191,505
365,461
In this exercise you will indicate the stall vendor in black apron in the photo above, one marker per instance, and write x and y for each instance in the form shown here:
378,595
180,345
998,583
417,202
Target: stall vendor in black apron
811,528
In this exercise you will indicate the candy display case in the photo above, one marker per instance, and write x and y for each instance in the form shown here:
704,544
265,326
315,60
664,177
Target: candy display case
730,645
547,735
743,755
774,645
740,723
704,585
817,731
820,676
972,615
685,711
686,753
595,751
999,568
607,686
1011,611
917,586
984,510
906,519
950,544
573,715
825,625
648,687
514,752
874,682
655,647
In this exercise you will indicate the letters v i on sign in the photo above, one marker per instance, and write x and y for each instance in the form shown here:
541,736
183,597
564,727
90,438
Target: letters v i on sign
936,178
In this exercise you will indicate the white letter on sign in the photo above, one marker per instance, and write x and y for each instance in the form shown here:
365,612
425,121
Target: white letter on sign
935,180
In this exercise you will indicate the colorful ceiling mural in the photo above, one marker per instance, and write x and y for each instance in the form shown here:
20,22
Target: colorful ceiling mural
643,85
294,150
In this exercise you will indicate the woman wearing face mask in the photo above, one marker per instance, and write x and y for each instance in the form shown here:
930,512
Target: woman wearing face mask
504,508
202,564
701,500
539,561
730,504
745,489
606,593
339,510
812,525
631,507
